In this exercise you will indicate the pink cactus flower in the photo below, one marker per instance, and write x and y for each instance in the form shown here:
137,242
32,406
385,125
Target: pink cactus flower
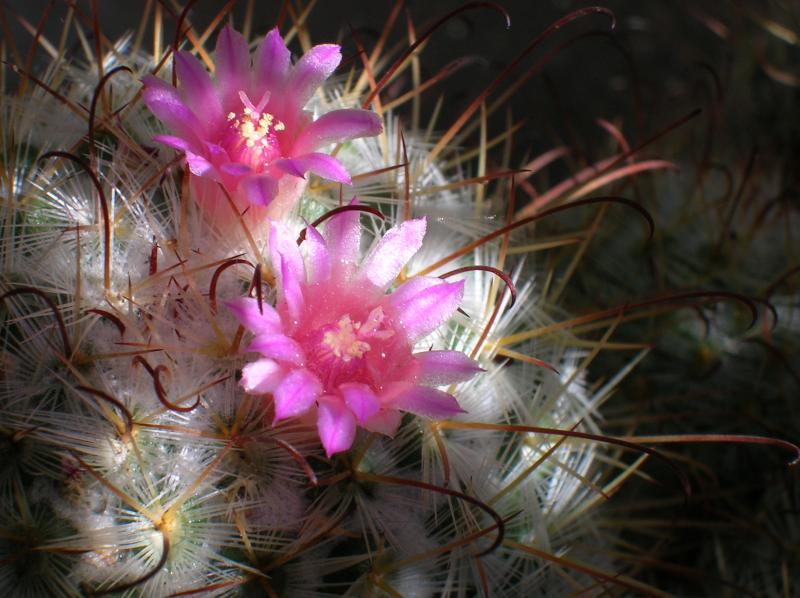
249,130
337,343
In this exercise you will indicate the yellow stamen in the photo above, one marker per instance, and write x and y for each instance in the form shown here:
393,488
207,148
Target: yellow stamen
256,132
344,343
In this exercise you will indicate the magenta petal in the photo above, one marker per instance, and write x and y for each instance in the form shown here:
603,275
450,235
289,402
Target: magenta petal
282,244
318,260
278,347
310,72
289,268
435,368
164,101
360,399
232,65
178,143
290,290
216,153
296,393
336,425
290,166
235,169
197,90
271,62
422,400
393,251
261,321
261,377
200,166
337,126
343,235
259,190
321,165
410,289
421,305
386,421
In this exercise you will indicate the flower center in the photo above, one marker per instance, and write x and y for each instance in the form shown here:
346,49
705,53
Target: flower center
343,352
252,133
256,129
344,342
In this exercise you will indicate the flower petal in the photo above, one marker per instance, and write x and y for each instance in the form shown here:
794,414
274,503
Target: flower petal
343,235
197,90
296,393
216,153
337,126
336,425
260,321
290,167
282,244
200,166
320,164
386,421
310,72
271,62
232,66
165,102
261,377
422,400
318,260
360,399
396,247
178,143
423,304
236,169
436,368
259,190
289,269
278,347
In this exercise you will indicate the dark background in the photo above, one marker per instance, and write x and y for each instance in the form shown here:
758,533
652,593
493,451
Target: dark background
650,64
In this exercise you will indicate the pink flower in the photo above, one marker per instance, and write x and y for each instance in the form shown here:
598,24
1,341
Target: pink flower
337,343
248,130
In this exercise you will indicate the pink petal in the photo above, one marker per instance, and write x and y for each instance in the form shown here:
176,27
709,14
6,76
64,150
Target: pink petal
246,310
216,153
200,166
386,421
289,268
165,102
174,142
290,167
318,261
197,90
422,400
423,304
232,66
310,72
296,393
336,126
360,399
322,165
343,236
436,368
271,62
259,190
282,244
336,425
278,347
261,377
393,251
236,169
410,289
